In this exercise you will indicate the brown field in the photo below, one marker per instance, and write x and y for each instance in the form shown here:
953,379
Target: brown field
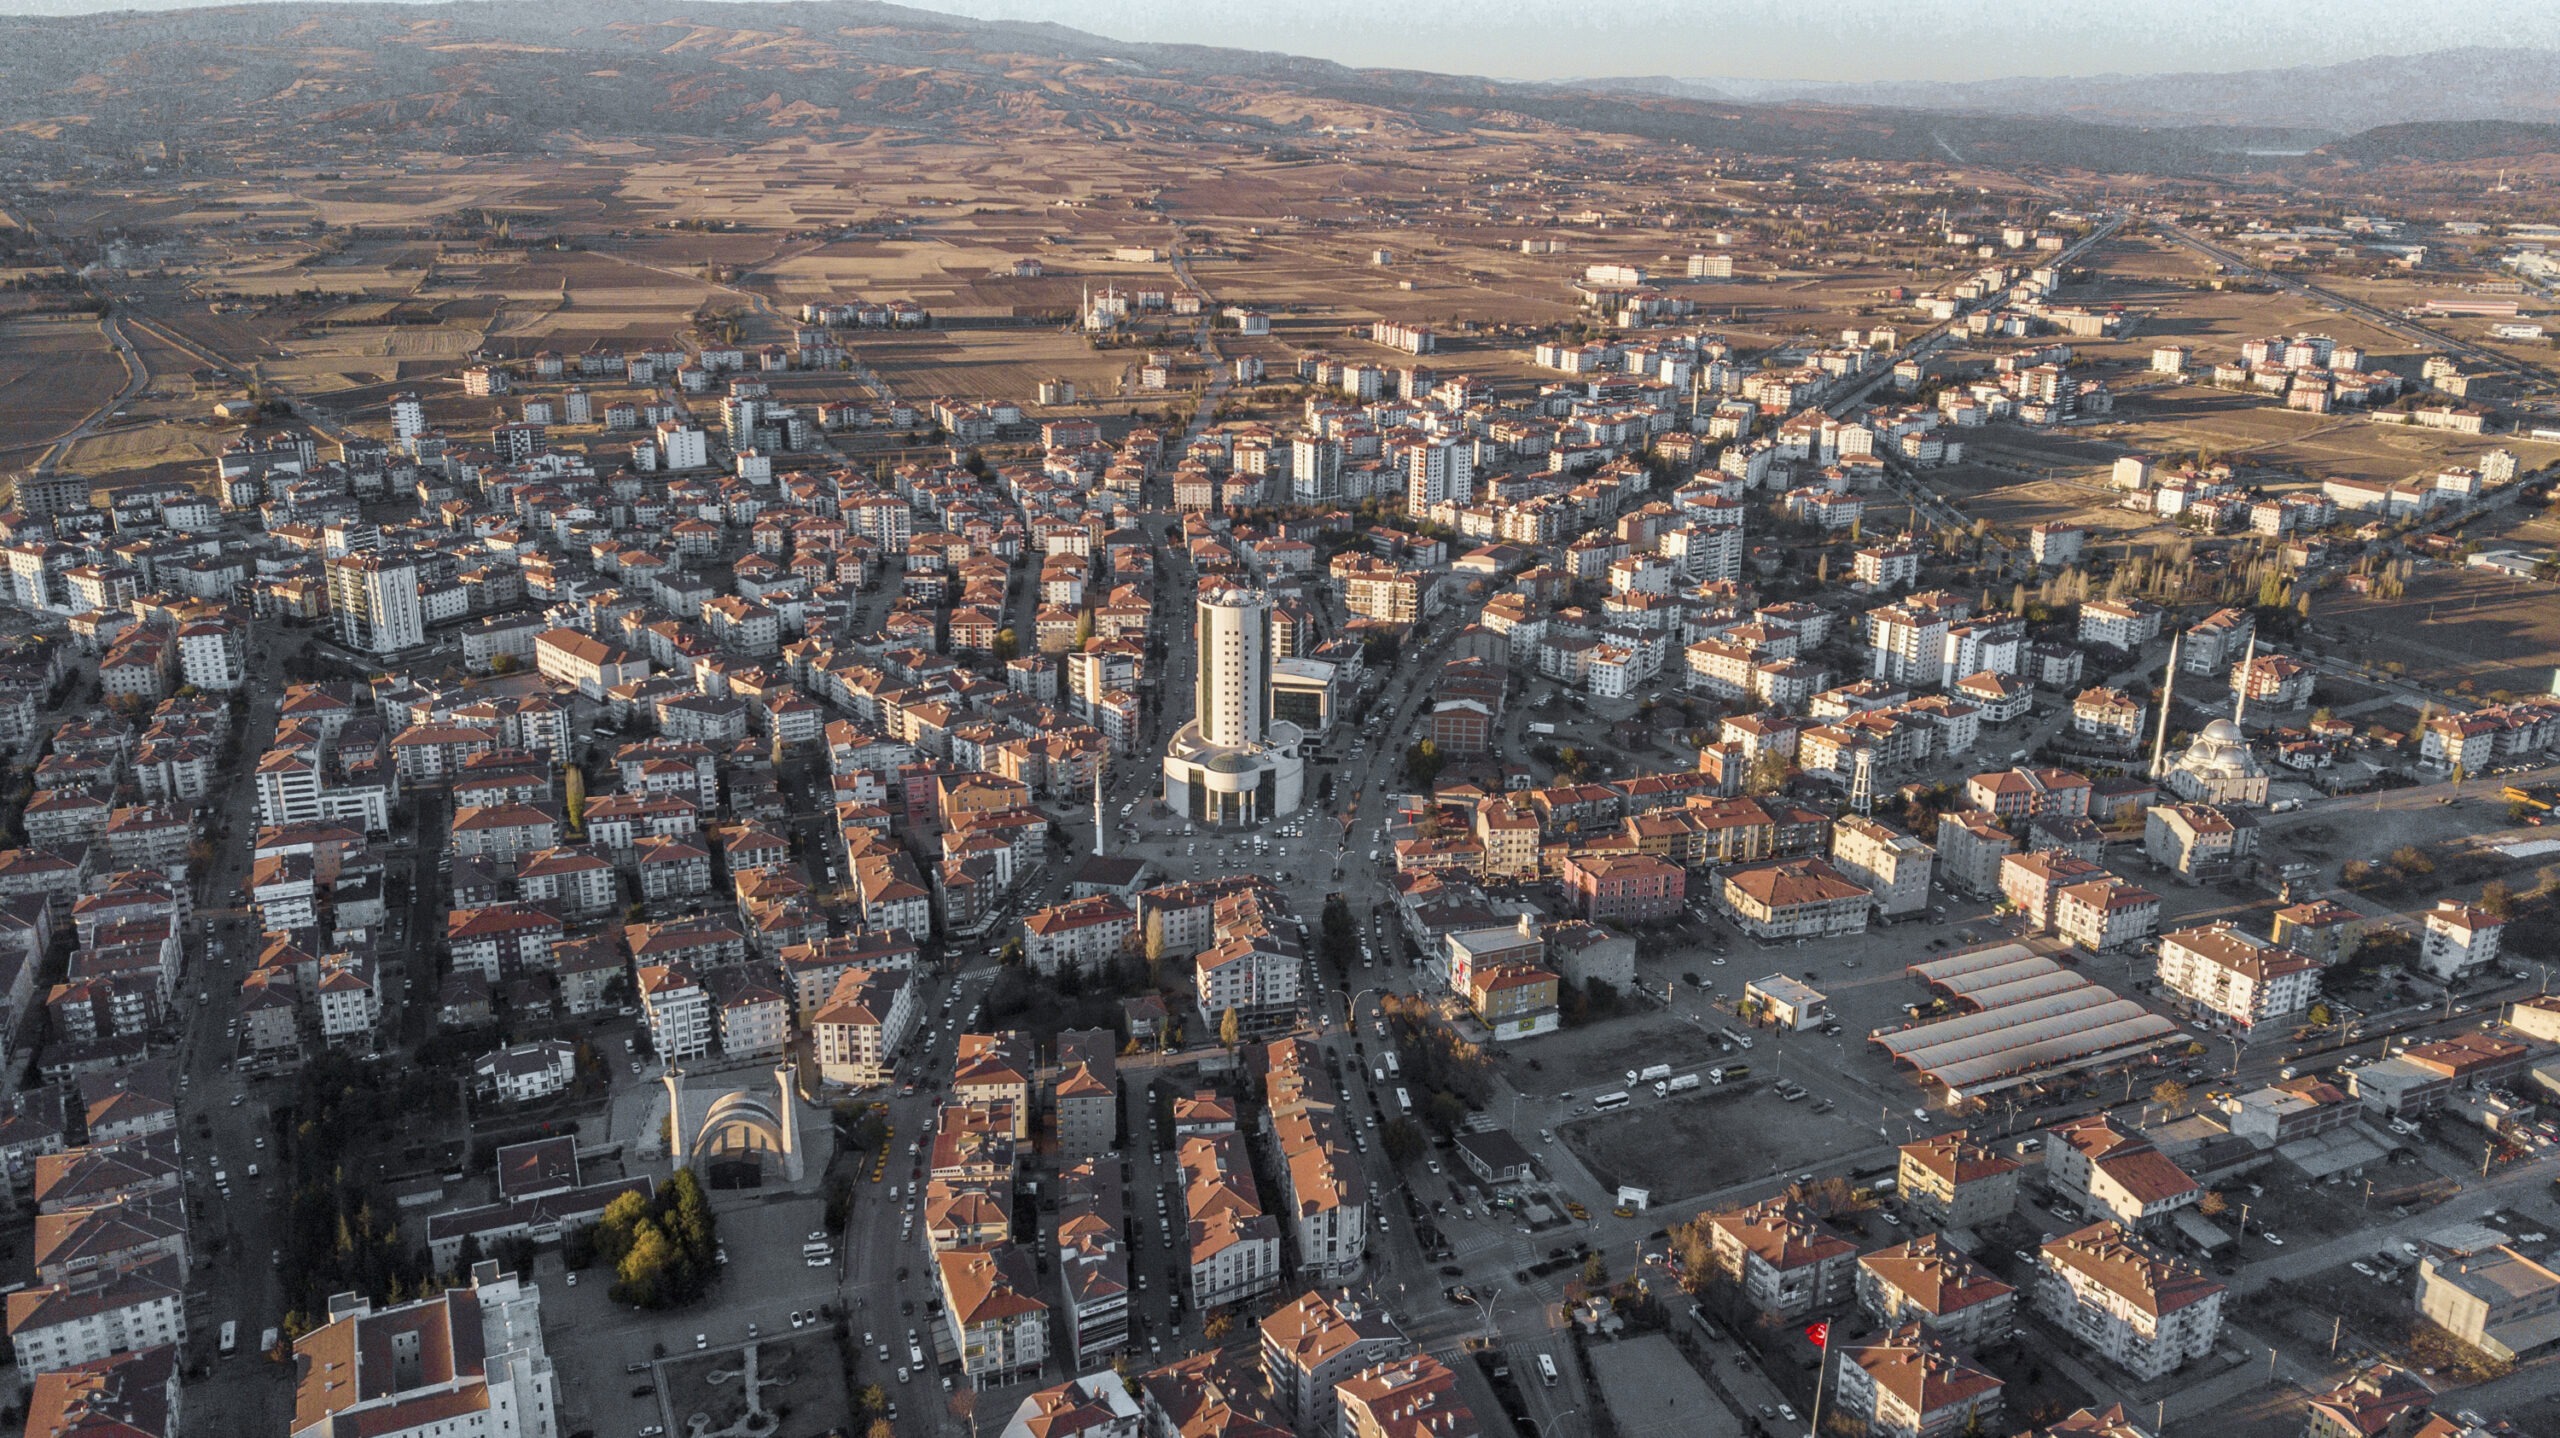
53,373
2462,629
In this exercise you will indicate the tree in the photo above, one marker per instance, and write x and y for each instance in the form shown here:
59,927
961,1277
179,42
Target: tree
2499,898
2212,1203
1084,629
2319,1017
1221,1324
574,786
1767,773
1595,1270
1401,1140
2169,1093
1008,644
1423,763
1230,1029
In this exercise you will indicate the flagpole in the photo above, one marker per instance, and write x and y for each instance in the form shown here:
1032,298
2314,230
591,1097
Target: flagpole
1821,1370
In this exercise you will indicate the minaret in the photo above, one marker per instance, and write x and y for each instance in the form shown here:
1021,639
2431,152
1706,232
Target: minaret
786,1079
1098,767
2168,691
2240,702
674,1081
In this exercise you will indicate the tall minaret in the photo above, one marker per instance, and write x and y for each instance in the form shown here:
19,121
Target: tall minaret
1098,768
2240,702
2168,691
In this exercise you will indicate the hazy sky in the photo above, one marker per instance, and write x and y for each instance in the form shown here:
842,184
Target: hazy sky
1770,39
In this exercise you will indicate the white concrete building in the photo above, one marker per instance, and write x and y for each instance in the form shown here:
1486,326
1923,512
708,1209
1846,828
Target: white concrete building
2246,981
466,1363
1891,864
2127,1301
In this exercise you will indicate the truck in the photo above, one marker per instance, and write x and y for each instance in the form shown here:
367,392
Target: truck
1732,1072
1652,1072
1682,1084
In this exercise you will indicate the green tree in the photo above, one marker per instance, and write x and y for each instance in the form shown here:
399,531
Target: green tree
1008,644
1401,1140
1423,763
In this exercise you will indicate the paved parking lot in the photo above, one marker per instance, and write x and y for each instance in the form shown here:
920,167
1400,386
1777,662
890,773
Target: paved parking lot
1654,1393
764,1283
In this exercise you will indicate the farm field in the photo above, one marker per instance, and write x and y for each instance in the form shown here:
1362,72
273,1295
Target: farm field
53,372
2455,628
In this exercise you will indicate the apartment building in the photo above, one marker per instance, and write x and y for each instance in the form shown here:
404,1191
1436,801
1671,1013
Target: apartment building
2246,982
467,1360
1891,865
1904,1384
1957,1182
1785,1261
997,1322
1934,1284
1315,1343
1793,898
2127,1301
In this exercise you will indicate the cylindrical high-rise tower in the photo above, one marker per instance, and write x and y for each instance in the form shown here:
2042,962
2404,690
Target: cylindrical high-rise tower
1231,692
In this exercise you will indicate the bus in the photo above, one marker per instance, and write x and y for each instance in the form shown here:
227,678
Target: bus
1404,1104
230,1339
1547,1369
1391,1064
1607,1101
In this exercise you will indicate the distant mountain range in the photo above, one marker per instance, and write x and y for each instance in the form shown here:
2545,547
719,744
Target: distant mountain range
2473,83
496,75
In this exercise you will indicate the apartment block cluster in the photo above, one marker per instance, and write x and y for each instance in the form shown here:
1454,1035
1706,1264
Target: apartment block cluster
99,1324
1329,1364
2110,1287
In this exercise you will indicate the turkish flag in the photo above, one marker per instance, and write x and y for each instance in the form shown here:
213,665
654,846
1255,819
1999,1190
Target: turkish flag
1818,1334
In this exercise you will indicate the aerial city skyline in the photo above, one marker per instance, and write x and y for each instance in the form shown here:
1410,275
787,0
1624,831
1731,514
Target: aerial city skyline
1070,721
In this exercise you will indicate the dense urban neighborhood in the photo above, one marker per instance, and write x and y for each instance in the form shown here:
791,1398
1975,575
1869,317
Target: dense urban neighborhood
1455,786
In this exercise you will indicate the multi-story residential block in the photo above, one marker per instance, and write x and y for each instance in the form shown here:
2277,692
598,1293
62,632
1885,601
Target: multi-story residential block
1785,1261
1233,1246
866,1019
2117,1174
2461,939
416,1369
96,1315
1904,1384
1956,1181
1405,1398
679,1014
1931,1282
1793,898
1315,1343
2247,983
2126,1301
2200,843
1891,865
998,1323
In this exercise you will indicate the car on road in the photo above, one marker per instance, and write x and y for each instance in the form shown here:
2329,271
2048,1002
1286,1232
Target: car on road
701,1341
2273,1239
